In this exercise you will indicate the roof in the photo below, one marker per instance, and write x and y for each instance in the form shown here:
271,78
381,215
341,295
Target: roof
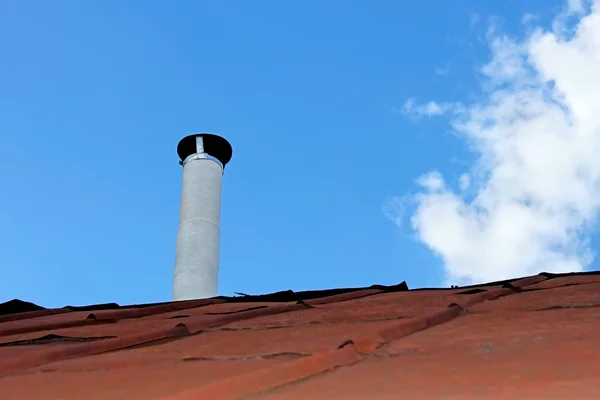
534,337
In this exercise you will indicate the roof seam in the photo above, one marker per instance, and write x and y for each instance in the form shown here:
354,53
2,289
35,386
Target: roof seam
288,326
91,348
32,314
262,380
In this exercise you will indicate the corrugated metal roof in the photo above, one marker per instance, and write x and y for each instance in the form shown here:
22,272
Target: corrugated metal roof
534,337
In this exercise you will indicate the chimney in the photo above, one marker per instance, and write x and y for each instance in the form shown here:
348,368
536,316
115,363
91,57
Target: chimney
203,157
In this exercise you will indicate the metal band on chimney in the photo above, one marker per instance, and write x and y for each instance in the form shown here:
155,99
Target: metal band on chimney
201,156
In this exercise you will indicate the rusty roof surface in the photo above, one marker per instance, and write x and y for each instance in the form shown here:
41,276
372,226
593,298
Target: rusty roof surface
528,338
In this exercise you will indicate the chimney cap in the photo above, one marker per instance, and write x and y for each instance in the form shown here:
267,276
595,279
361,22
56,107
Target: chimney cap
214,145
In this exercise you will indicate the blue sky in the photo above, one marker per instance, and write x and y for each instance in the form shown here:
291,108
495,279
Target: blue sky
95,95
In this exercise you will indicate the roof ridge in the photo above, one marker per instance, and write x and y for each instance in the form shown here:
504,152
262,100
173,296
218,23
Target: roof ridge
10,311
33,310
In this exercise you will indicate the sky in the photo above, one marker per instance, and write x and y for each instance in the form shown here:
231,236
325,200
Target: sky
374,142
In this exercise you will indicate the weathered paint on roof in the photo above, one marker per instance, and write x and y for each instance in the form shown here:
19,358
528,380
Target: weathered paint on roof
534,337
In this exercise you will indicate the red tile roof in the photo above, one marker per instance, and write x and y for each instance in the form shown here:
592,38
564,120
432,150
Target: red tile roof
530,338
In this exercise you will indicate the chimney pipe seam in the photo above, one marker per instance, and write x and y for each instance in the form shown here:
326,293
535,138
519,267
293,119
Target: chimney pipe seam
185,222
201,156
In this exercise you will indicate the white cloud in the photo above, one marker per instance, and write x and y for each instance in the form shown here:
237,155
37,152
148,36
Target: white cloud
430,109
535,189
529,18
445,71
464,182
576,6
433,181
394,208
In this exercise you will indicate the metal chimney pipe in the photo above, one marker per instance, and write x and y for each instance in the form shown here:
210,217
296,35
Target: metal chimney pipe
203,157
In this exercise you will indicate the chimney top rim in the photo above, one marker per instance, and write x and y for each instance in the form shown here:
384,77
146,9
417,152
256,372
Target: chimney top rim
214,145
